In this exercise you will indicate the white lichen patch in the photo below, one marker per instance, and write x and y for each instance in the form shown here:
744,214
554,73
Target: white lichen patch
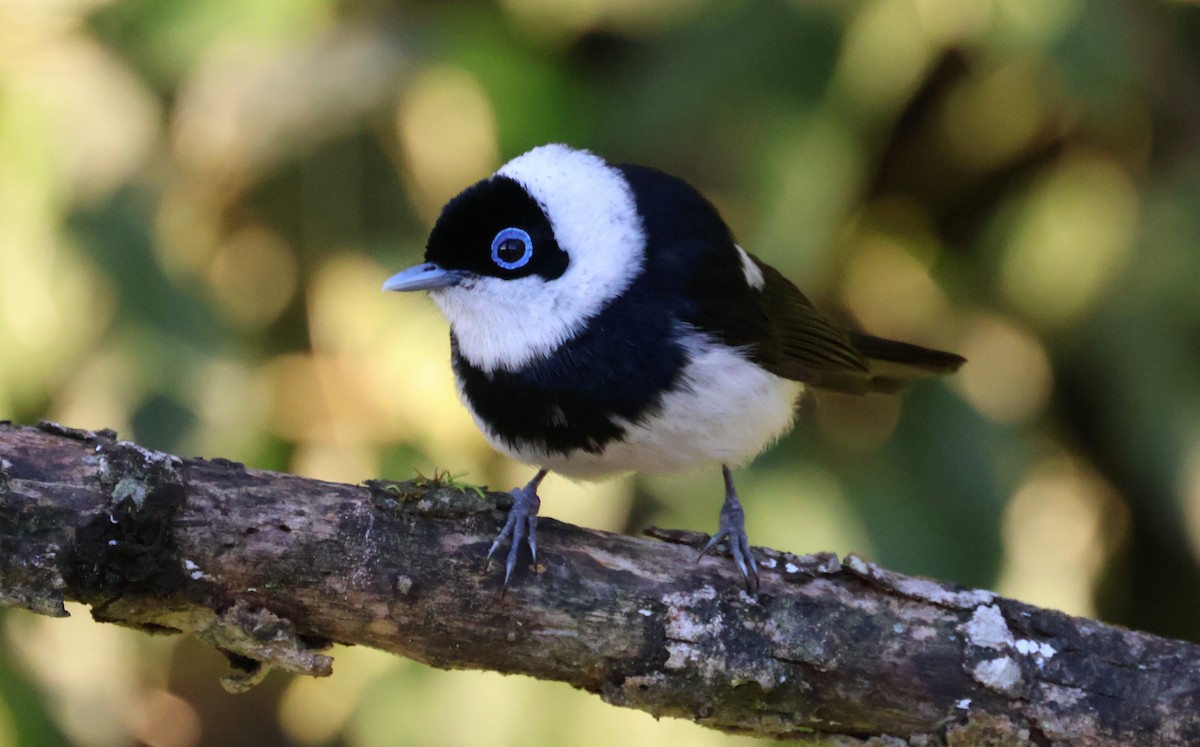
792,568
963,704
6,465
1001,674
151,457
923,589
1041,652
690,632
1052,693
683,623
193,570
857,565
680,654
1026,646
987,628
936,593
828,563
768,563
645,612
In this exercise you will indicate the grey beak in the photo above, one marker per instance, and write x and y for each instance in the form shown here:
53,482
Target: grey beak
423,277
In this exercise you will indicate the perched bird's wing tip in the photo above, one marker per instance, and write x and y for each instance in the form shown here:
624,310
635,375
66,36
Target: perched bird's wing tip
906,354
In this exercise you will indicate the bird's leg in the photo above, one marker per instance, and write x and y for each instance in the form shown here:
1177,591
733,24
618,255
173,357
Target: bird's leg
521,525
732,526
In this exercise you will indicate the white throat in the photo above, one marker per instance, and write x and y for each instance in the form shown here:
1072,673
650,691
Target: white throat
506,324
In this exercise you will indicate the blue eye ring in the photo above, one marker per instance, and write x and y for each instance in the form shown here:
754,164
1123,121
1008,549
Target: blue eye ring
502,241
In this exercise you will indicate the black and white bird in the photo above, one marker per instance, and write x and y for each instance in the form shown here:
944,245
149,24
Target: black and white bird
603,320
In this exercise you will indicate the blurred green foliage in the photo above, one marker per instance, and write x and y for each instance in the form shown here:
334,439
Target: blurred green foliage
200,198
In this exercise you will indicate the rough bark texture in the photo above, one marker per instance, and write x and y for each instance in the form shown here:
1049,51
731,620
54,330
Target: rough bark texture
270,568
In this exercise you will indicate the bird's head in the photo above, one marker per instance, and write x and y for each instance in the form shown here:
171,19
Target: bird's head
520,261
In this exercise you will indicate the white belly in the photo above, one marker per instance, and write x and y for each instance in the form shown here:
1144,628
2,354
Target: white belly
724,410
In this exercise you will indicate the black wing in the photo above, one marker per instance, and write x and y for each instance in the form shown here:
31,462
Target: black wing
798,342
807,347
692,259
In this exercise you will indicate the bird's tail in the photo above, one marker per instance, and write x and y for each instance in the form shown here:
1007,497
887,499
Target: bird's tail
894,364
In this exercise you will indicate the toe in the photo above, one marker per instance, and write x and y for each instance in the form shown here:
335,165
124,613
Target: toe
520,526
510,564
531,537
509,524
716,540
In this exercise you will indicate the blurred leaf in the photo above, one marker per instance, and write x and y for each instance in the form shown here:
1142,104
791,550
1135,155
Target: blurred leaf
165,38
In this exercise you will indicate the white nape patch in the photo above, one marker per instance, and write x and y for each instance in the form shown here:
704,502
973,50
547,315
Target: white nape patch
753,273
724,410
505,324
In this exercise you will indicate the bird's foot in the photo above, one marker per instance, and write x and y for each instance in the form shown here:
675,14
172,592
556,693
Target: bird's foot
732,527
520,526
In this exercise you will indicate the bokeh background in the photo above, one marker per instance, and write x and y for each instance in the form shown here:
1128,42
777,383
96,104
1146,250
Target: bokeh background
199,200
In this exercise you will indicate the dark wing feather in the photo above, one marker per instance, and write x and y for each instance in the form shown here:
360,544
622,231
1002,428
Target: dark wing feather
894,363
799,343
693,264
803,345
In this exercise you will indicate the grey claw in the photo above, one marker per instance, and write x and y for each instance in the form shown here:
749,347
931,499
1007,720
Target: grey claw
744,557
525,530
732,526
500,538
520,526
716,540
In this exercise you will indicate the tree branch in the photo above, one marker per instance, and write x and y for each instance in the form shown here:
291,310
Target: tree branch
270,568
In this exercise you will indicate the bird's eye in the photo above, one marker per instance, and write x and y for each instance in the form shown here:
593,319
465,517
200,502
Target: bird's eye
512,248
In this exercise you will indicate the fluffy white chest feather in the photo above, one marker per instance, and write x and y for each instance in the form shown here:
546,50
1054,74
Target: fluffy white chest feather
724,410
